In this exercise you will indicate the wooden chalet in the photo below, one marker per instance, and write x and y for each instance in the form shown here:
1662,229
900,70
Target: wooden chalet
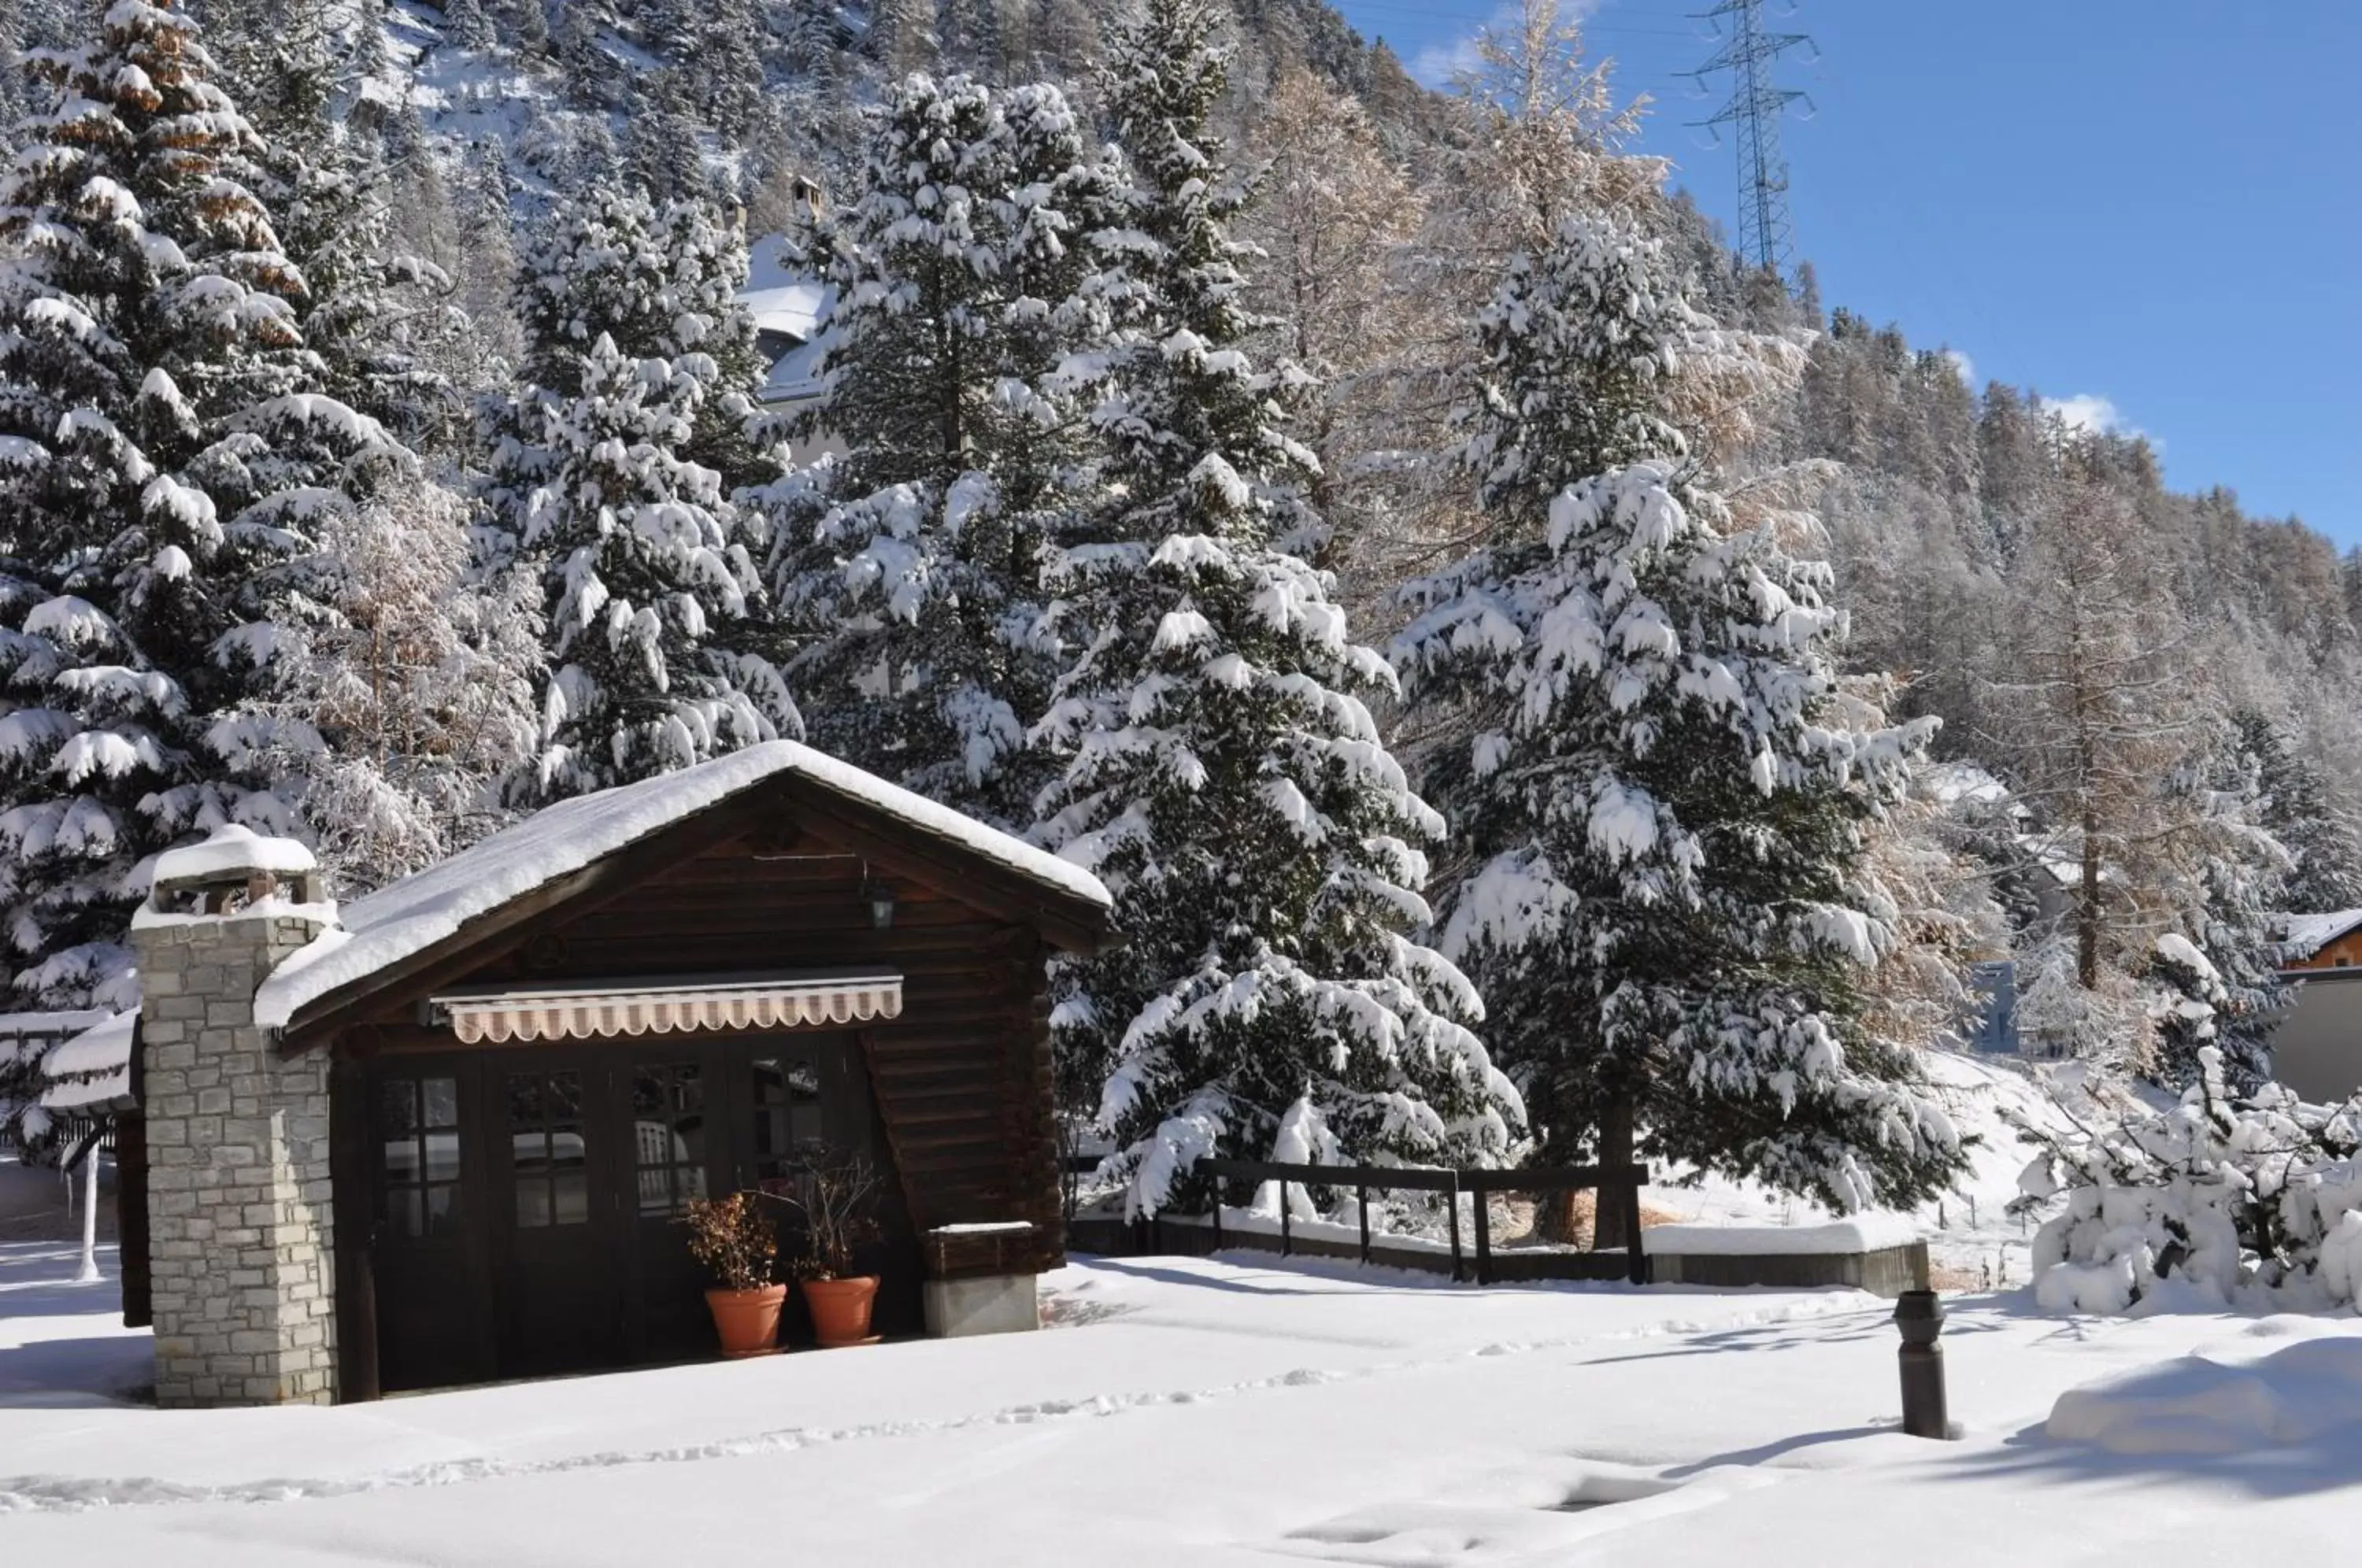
537,1051
2317,1042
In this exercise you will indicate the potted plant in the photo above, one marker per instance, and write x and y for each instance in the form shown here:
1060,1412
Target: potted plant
733,1237
839,1203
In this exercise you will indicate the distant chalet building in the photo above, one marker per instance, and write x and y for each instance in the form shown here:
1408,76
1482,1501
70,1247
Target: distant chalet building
2317,1049
790,310
445,1135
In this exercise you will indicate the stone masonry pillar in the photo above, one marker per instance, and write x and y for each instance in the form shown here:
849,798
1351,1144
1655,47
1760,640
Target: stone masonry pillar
240,1218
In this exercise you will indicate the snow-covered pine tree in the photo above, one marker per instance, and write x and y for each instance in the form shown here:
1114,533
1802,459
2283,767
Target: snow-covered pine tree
727,66
1222,770
2106,1024
648,588
589,69
466,24
2229,895
902,36
664,149
661,282
527,22
378,318
1667,906
612,472
163,451
2299,808
963,269
2187,1002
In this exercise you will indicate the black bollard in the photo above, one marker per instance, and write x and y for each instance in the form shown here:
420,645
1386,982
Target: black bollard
1921,1317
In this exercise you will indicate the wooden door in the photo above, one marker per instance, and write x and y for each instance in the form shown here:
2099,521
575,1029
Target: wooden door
808,1099
554,1169
677,1108
424,1232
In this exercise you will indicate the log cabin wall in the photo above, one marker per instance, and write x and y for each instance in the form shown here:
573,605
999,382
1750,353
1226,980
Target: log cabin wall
961,1078
2344,953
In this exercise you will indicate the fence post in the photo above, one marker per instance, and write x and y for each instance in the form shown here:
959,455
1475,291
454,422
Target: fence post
1636,1262
1217,1214
1362,1196
1286,1237
1920,1315
1484,1237
1452,1197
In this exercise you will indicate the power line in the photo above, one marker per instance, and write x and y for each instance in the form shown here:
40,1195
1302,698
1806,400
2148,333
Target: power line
1766,236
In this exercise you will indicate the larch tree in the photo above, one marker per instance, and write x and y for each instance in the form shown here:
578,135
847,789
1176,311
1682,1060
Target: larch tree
1664,805
962,269
2098,716
164,455
1333,220
418,675
1221,768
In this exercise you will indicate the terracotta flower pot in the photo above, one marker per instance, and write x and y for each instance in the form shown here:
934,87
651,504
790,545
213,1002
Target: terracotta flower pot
841,1308
747,1320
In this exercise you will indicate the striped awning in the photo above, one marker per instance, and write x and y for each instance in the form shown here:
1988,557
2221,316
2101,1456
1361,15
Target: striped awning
669,1006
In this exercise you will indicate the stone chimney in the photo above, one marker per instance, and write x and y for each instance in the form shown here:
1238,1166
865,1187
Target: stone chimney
240,1218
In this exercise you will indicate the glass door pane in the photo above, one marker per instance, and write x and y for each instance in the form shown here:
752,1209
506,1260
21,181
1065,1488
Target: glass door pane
788,1127
418,1144
548,1157
669,1136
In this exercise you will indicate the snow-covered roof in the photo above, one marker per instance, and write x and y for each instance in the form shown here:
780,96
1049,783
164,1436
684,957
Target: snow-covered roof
1947,783
28,1036
2307,934
412,915
2065,865
93,1067
13,1025
793,375
793,304
795,308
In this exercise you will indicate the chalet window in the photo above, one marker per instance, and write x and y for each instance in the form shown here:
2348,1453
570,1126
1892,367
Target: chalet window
668,1135
553,1184
418,1122
788,1131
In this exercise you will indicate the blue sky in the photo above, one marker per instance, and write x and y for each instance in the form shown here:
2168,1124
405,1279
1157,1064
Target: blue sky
2150,207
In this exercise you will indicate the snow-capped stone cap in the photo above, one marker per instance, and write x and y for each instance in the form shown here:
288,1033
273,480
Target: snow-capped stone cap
236,873
233,850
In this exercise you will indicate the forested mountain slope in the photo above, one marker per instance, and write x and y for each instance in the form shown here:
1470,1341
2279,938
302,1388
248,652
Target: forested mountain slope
1227,420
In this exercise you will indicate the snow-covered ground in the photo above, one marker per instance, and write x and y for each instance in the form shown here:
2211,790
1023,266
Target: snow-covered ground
1236,1411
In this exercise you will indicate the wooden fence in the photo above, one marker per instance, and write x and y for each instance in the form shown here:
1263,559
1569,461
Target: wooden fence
1621,1188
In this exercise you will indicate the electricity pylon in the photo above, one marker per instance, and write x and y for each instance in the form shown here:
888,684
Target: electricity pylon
1766,237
